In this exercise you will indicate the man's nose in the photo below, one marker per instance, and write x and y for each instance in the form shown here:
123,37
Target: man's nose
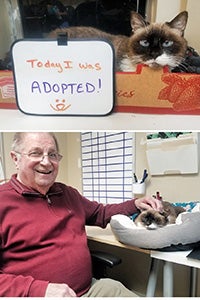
45,159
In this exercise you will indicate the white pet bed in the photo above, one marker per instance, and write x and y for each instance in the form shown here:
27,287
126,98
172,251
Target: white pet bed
184,232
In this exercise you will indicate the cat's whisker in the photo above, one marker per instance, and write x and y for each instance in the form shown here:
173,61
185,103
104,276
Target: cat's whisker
183,66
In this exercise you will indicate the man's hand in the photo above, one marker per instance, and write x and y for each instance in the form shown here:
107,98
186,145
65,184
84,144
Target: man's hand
59,290
149,203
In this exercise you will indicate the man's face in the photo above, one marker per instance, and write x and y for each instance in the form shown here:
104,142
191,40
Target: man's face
38,173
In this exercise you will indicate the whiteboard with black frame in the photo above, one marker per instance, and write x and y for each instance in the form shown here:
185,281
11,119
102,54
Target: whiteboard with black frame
72,78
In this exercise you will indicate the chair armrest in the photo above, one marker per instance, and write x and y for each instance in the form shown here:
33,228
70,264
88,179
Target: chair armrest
107,259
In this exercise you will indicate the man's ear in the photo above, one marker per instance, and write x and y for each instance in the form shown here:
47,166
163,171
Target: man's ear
15,158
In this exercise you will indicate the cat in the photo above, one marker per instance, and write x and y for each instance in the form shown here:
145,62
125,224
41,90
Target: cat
152,219
155,45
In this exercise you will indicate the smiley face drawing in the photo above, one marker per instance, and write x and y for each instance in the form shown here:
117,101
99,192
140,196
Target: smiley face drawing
60,105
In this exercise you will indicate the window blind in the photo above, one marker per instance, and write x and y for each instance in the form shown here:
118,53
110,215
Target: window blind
107,165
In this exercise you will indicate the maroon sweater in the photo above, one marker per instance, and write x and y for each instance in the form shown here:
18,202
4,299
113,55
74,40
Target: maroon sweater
43,239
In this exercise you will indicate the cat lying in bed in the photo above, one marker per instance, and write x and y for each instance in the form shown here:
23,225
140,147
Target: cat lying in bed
152,219
155,45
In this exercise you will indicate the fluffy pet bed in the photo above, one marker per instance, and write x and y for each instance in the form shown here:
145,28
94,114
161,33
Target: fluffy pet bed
184,232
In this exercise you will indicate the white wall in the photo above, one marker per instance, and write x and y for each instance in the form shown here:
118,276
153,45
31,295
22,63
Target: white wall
192,30
167,9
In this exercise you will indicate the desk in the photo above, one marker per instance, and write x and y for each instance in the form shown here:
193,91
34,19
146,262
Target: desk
106,236
168,258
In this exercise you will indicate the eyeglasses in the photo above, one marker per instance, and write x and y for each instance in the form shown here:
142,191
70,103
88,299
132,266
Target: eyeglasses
38,156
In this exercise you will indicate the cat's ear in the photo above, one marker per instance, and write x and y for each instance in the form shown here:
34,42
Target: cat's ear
137,21
179,22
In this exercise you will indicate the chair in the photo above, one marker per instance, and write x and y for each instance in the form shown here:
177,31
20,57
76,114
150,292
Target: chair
101,260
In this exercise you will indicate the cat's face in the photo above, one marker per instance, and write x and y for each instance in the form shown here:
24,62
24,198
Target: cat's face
158,45
151,219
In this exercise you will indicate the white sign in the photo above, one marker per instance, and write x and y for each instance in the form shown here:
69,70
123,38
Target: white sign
76,78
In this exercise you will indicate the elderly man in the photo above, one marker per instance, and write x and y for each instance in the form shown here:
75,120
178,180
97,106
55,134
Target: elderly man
43,244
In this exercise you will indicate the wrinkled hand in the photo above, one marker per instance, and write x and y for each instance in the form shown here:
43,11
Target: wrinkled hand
59,290
148,203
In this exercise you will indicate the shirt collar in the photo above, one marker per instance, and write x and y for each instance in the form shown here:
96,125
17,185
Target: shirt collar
26,191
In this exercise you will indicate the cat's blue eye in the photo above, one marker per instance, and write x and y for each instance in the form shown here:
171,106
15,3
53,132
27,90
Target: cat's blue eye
144,43
167,43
